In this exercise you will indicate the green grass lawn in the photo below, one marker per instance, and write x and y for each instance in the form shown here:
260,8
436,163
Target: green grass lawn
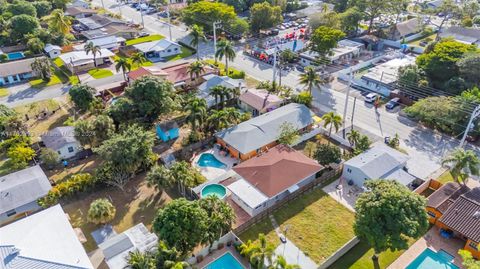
447,177
134,66
65,75
318,225
39,83
100,73
416,42
144,39
3,92
185,53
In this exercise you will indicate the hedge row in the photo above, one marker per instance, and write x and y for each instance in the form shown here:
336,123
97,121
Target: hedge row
75,184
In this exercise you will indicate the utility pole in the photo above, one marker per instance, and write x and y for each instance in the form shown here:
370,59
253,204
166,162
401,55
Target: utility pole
215,38
169,21
475,114
141,14
103,5
350,75
274,65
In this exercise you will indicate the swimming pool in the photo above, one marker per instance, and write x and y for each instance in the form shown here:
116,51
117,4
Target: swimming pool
15,55
215,190
226,261
429,259
209,160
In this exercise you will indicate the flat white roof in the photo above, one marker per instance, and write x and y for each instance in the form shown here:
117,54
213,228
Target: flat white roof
387,72
81,57
46,235
247,193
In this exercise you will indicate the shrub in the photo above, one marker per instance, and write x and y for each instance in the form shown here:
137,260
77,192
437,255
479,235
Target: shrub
101,211
75,184
49,157
327,154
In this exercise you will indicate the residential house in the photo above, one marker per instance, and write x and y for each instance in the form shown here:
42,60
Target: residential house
159,49
16,71
62,140
213,80
43,240
405,29
345,51
79,3
177,74
167,130
116,249
79,12
109,42
456,209
267,179
258,102
462,34
379,162
97,26
19,192
53,51
258,134
79,61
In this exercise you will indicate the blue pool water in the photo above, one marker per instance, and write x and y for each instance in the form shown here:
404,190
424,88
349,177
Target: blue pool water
209,160
226,261
430,259
15,55
214,190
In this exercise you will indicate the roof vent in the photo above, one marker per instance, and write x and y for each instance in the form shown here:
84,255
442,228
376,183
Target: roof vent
476,215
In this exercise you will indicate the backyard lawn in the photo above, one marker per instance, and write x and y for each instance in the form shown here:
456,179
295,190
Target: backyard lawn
100,73
3,92
79,166
133,66
65,75
185,53
144,39
318,225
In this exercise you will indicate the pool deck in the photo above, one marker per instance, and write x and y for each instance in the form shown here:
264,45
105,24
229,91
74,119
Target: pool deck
434,241
212,172
218,253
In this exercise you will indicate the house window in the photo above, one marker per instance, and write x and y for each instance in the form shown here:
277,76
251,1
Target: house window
11,213
176,49
169,50
70,149
431,214
349,170
473,245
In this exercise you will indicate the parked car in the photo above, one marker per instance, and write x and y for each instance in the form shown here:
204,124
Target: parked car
393,103
143,34
371,97
283,239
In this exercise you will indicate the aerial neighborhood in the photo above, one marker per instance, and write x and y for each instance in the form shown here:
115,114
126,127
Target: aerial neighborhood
232,134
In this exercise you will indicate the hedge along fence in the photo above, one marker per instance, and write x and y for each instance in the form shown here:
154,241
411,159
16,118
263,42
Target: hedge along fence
75,184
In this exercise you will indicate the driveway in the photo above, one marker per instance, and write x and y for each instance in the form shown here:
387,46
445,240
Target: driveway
22,94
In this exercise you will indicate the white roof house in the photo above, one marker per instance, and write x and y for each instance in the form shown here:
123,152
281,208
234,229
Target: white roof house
159,48
379,162
53,51
346,49
43,240
247,193
107,42
117,248
81,57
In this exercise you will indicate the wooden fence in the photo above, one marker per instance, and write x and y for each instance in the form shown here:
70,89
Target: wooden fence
324,179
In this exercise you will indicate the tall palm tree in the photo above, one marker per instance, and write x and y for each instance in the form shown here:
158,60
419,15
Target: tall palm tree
182,173
124,65
463,163
138,59
94,49
195,70
248,249
233,115
59,22
159,177
225,49
311,79
353,136
140,260
197,111
217,120
281,263
264,253
219,92
198,36
332,119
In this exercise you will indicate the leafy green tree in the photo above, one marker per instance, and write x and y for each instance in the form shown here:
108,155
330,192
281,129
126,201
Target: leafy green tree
49,157
377,218
43,8
362,145
160,177
281,263
103,128
202,12
22,7
326,18
468,261
123,110
152,97
304,98
409,75
371,9
327,154
83,131
350,20
394,141
181,224
22,25
198,36
82,96
450,10
248,249
123,64
141,260
471,96
58,22
324,39
225,49
239,26
264,16
94,49
469,68
137,58
35,45
19,156
101,211
220,218
311,79
185,176
224,118
333,120
239,5
197,112
463,163
41,67
166,255
288,134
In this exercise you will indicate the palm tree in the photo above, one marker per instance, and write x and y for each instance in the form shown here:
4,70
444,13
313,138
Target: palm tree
281,263
59,22
139,260
233,115
217,120
101,211
182,173
159,177
197,111
198,36
124,65
176,265
225,49
195,70
311,79
221,93
264,253
216,92
248,249
463,163
138,58
332,119
94,49
353,136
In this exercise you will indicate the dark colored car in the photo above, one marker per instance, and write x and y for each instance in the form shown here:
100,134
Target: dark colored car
393,103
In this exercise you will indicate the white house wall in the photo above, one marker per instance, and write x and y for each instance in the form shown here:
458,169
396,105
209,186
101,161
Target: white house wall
65,154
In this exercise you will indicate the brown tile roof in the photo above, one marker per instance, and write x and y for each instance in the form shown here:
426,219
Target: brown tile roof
146,71
442,198
463,216
277,170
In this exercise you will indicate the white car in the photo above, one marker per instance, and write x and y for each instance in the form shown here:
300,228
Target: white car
371,97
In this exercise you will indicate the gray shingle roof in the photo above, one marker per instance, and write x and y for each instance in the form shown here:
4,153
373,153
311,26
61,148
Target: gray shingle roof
22,187
467,35
59,137
16,67
262,130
